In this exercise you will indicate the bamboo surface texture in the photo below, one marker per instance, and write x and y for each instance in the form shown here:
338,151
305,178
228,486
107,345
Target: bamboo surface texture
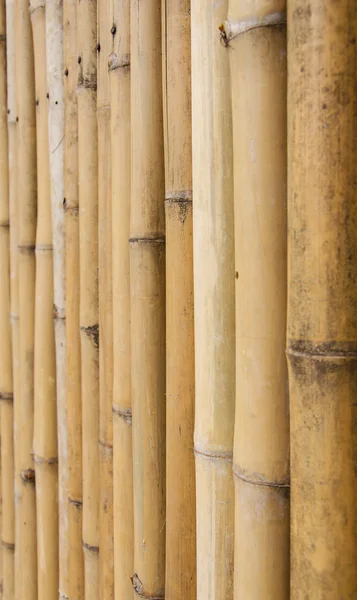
119,76
214,302
6,363
322,297
75,589
147,285
180,378
106,563
88,238
25,499
45,410
256,45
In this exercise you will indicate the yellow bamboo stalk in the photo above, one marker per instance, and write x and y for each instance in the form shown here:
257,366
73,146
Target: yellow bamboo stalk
255,39
119,74
88,236
106,563
147,272
214,302
322,271
25,499
45,417
7,41
75,590
180,466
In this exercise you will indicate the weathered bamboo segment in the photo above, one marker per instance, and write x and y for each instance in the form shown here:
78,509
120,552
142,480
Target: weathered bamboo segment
119,75
45,416
54,55
147,272
214,302
73,349
25,500
7,170
88,236
322,289
180,466
256,45
106,562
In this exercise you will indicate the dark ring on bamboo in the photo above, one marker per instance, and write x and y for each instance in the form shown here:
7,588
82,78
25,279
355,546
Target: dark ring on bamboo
8,545
5,224
26,248
6,396
180,196
89,547
146,240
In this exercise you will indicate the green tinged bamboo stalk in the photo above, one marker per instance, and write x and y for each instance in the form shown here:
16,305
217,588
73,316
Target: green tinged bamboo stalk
322,297
147,272
88,237
45,411
25,499
214,301
119,75
180,466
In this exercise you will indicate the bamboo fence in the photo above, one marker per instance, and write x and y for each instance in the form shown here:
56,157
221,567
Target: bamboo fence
178,269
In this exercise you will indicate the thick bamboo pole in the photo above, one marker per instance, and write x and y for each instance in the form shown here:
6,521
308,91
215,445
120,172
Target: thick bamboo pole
25,500
7,387
106,555
54,55
256,45
180,466
45,415
214,302
88,236
322,325
147,272
119,74
73,350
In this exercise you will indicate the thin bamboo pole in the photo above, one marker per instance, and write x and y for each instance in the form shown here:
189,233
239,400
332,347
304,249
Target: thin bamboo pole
73,349
322,325
147,271
255,39
45,415
119,75
7,41
54,56
106,562
214,302
180,466
88,236
25,499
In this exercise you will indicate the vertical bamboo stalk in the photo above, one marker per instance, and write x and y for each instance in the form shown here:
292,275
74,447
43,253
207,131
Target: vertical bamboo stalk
73,349
256,45
54,55
214,302
180,467
147,271
322,325
25,499
106,565
88,236
45,417
7,383
119,74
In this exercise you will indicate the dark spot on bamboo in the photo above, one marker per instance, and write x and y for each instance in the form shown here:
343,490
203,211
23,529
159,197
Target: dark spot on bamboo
97,47
28,476
237,275
113,30
17,119
79,60
37,102
324,106
66,72
47,95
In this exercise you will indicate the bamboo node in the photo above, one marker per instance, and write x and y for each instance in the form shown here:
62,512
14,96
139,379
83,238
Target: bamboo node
28,476
3,37
119,62
77,503
139,589
328,350
13,318
212,455
5,224
179,196
107,447
59,314
258,479
86,546
6,396
43,248
92,331
86,84
123,413
8,545
26,248
147,240
229,30
42,460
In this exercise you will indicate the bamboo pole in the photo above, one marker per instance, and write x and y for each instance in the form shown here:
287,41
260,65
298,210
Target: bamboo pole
180,467
25,499
88,237
147,271
54,55
7,41
322,326
255,39
45,416
119,75
106,563
214,302
73,350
